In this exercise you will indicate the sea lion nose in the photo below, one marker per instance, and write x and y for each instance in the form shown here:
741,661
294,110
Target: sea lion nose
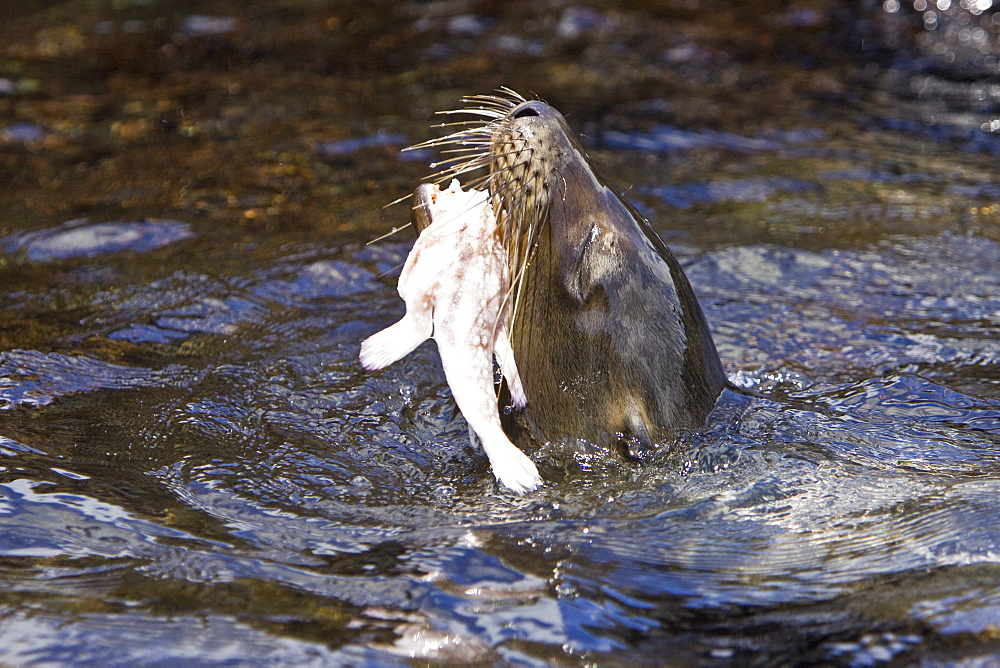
532,108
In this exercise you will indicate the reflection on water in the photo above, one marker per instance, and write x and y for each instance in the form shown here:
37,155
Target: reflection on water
78,239
194,468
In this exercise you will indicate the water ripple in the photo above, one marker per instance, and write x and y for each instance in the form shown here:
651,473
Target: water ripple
32,378
80,238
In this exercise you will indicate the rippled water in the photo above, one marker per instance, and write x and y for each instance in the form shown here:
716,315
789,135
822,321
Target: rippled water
194,469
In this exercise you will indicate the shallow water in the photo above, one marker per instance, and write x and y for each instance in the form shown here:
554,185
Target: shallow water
195,469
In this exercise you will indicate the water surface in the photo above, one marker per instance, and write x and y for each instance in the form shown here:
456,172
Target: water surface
195,469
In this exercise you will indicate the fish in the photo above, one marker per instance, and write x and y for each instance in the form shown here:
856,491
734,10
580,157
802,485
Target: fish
455,286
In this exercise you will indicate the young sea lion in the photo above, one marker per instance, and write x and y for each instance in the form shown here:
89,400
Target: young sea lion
610,341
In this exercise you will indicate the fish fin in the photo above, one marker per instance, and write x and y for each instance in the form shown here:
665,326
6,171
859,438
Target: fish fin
505,357
393,343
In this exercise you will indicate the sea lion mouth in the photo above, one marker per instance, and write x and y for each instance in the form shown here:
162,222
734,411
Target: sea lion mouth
523,146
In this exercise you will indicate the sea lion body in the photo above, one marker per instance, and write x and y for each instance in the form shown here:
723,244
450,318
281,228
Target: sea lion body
612,345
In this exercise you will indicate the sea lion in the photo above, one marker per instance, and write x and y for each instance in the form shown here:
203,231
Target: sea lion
612,346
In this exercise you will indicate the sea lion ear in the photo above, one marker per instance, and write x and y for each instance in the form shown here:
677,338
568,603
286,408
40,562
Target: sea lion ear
597,260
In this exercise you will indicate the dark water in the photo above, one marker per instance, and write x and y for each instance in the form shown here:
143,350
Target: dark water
195,470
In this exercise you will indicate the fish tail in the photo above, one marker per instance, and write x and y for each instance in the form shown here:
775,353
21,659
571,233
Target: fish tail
512,468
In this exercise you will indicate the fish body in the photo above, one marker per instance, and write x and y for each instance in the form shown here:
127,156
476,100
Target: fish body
455,284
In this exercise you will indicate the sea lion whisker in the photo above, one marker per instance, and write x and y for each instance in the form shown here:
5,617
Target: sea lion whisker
492,99
461,161
478,130
474,132
453,172
461,134
508,99
480,183
475,161
465,153
471,111
393,203
519,232
489,102
476,106
477,123
471,145
398,266
390,233
443,141
530,245
464,150
511,93
454,166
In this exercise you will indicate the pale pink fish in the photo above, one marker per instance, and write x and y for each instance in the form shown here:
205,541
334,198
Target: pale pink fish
454,284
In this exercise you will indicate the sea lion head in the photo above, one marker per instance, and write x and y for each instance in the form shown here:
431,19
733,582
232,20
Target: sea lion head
612,345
